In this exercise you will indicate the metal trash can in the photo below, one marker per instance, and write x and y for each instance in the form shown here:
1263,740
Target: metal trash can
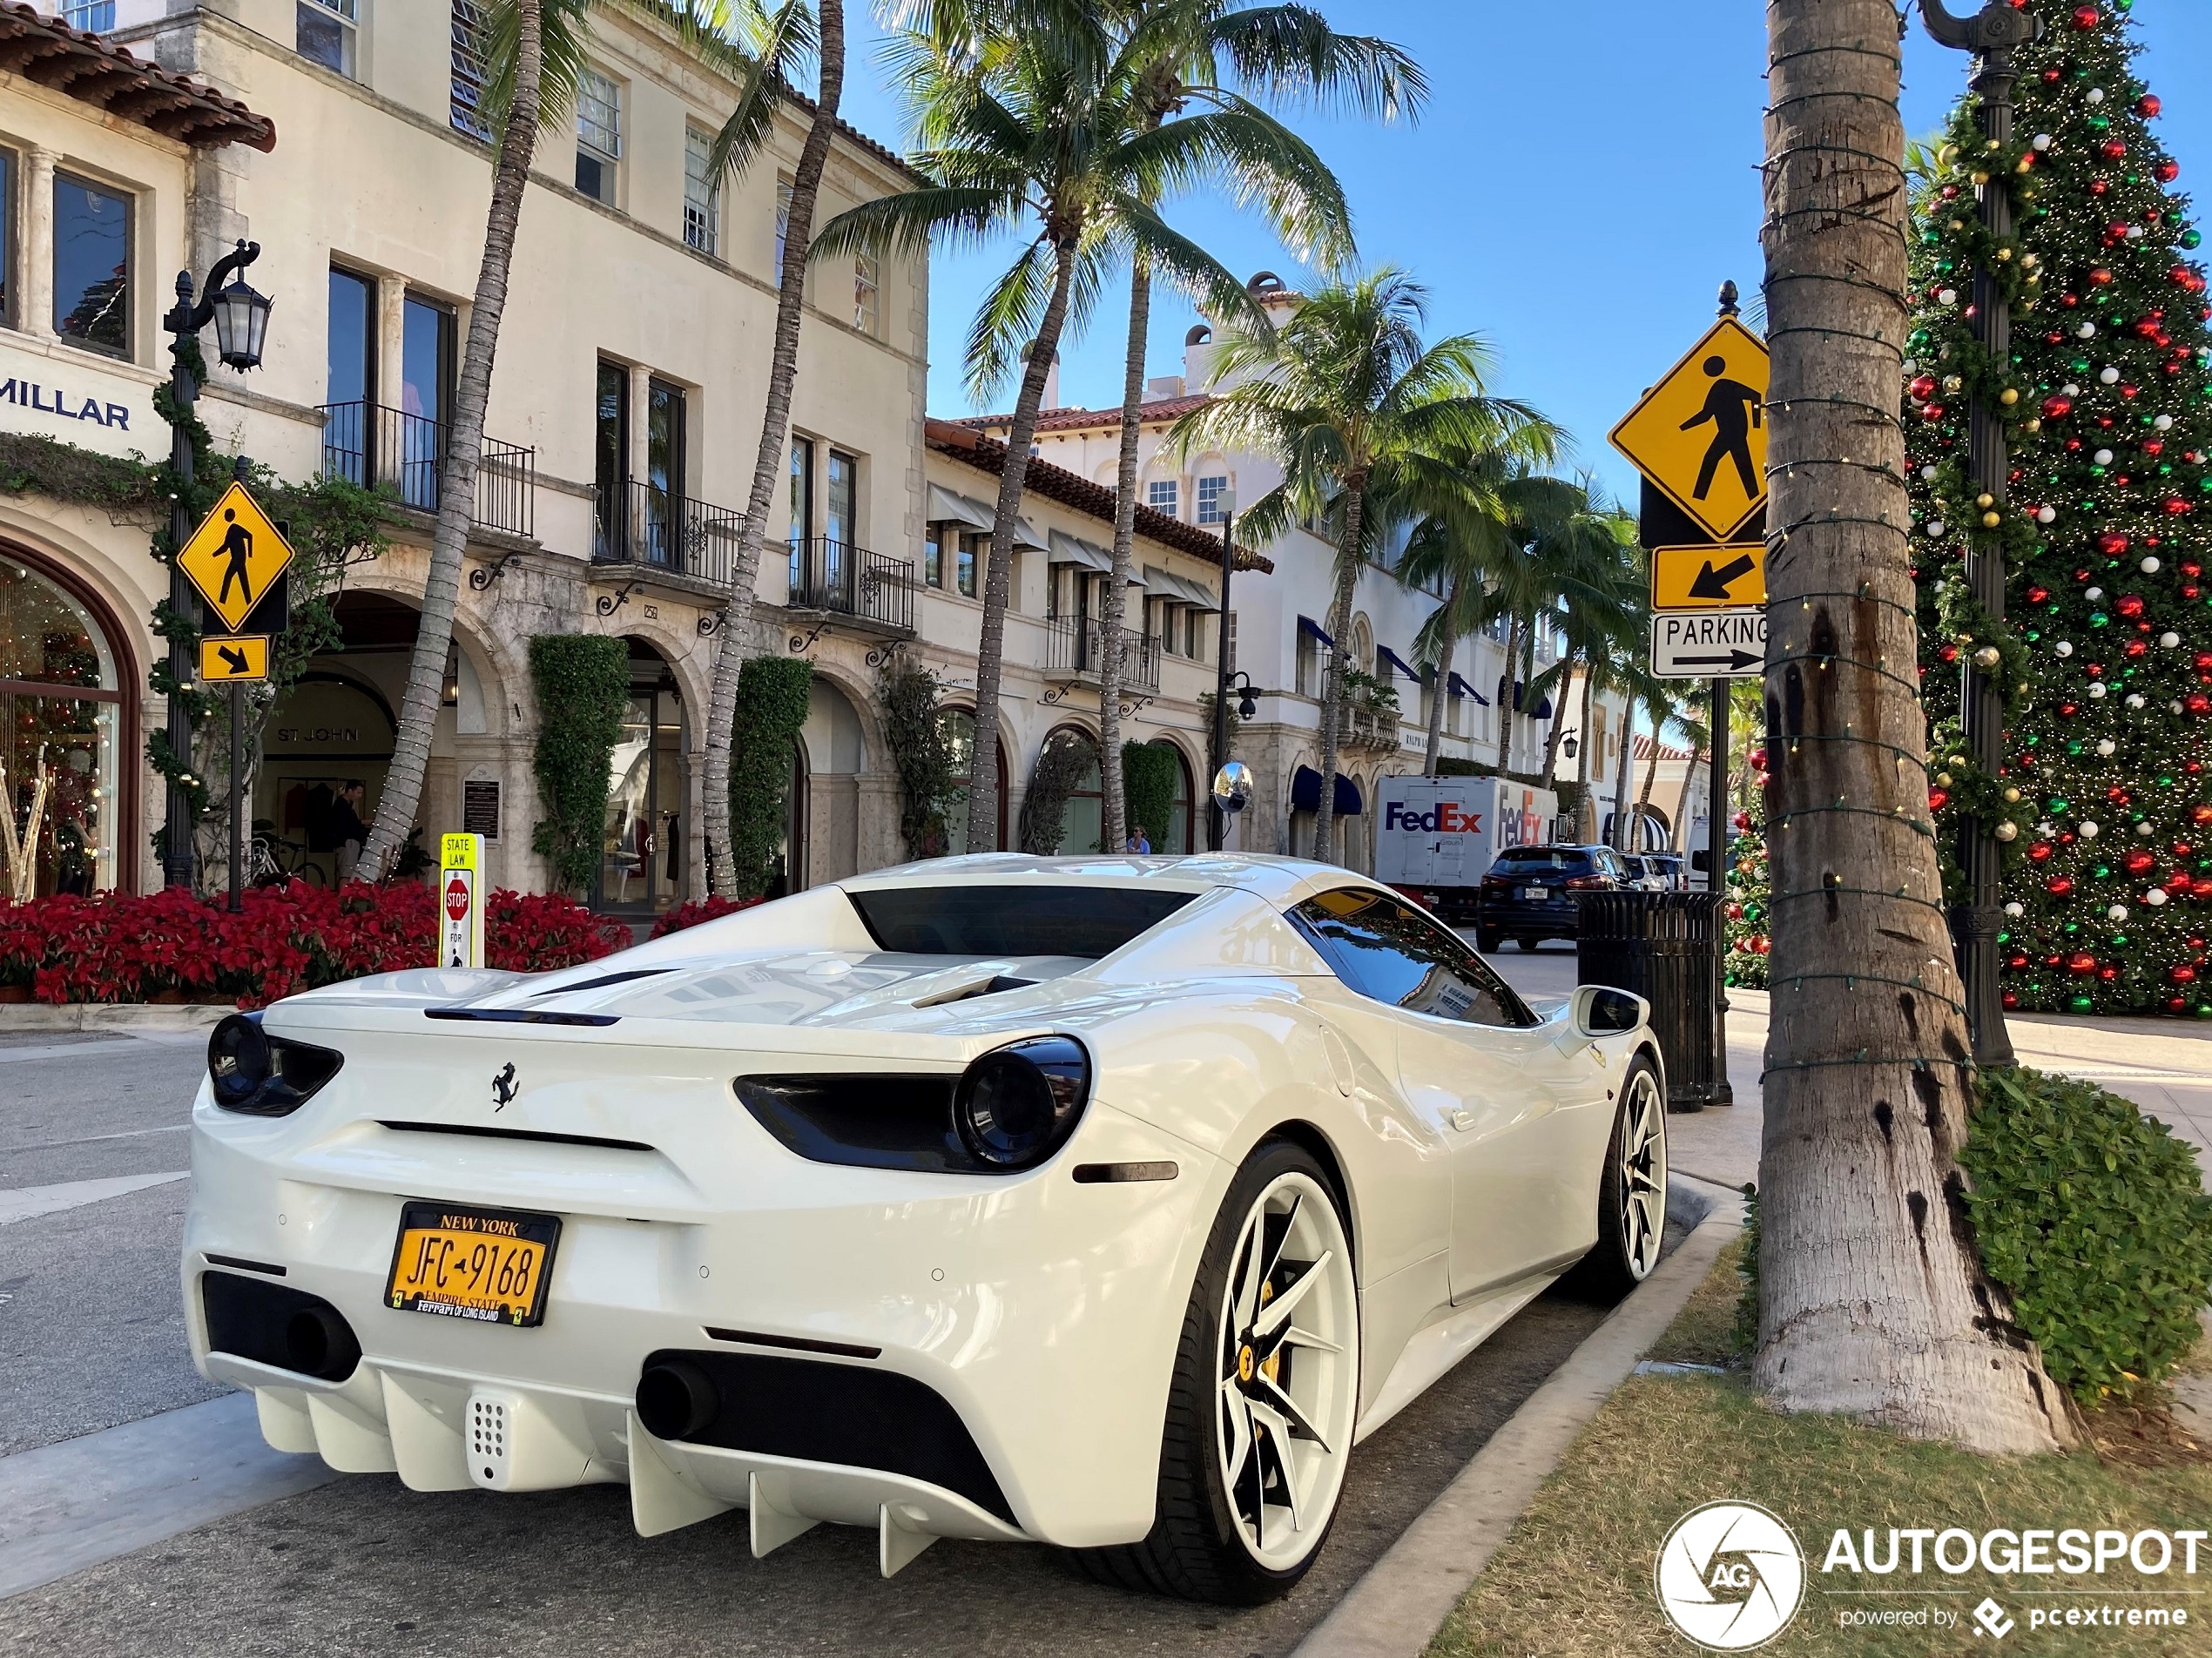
1665,947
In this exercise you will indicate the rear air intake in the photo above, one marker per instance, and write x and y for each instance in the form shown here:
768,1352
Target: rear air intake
274,1324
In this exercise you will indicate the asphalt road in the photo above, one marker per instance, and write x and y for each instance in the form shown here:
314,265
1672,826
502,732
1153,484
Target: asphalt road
91,1336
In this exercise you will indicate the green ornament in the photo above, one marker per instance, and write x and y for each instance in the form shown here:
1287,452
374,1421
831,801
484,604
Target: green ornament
2097,619
2078,1004
2192,237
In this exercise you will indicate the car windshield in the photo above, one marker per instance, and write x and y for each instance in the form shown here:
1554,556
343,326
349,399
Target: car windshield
1522,860
965,920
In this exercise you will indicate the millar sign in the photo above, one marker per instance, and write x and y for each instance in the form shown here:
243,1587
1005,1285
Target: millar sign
74,397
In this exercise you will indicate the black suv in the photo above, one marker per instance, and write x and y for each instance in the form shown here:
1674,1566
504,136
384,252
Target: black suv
1529,893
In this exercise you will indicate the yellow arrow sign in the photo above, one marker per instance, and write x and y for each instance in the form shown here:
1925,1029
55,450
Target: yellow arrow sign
224,659
1701,434
234,555
1708,578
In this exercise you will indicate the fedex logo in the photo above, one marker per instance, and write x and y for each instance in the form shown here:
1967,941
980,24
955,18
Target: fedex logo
1446,819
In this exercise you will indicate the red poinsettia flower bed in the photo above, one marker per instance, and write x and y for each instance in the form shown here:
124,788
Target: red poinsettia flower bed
706,909
170,946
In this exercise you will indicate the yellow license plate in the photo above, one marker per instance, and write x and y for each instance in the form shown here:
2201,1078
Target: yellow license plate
487,1265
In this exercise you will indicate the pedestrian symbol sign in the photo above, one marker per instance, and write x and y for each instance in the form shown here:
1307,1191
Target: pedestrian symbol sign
233,658
234,556
1708,578
1701,434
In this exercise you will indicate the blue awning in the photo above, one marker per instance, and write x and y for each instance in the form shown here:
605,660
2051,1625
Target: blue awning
1461,688
1305,792
1399,663
1543,709
1307,625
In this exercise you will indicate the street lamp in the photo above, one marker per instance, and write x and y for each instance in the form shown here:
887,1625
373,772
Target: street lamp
1991,34
241,319
1217,819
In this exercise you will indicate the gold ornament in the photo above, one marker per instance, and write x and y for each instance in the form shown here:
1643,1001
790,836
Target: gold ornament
2003,253
1948,154
1990,520
1952,384
2007,830
1987,658
2026,165
1984,501
1943,779
2031,427
1981,179
2008,397
2011,797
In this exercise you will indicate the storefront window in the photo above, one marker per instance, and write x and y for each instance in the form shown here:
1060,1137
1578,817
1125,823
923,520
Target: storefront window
60,706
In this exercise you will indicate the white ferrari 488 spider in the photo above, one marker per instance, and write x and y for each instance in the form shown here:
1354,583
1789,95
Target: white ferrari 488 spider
1106,1203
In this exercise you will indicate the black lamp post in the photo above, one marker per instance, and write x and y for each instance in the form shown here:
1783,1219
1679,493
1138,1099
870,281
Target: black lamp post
1217,819
1991,34
241,319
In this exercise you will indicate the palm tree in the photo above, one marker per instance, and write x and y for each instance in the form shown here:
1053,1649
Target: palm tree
1347,400
1037,130
1873,1297
773,40
1589,563
1283,49
535,48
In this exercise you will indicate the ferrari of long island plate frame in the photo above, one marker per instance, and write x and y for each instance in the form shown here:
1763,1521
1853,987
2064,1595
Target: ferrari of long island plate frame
1105,1202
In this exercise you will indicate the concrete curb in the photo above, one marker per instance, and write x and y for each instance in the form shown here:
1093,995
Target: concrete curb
109,1015
1397,1607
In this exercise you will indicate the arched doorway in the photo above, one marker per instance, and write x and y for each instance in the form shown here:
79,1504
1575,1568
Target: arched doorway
1083,823
66,705
333,730
641,861
1182,821
957,726
832,747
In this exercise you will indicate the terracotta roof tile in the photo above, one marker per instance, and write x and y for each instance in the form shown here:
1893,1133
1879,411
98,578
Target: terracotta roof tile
1069,420
81,63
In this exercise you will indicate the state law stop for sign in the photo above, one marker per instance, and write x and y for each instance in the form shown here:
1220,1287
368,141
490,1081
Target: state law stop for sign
461,921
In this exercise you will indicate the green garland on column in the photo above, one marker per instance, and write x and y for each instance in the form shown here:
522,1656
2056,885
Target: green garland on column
583,686
773,694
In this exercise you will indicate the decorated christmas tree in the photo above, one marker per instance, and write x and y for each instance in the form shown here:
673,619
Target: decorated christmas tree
1743,913
2104,805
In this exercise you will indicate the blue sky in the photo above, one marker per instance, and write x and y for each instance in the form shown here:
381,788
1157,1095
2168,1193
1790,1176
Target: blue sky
1585,176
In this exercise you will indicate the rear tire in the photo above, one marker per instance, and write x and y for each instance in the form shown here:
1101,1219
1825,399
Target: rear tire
1263,1400
1488,940
1632,1191
1527,944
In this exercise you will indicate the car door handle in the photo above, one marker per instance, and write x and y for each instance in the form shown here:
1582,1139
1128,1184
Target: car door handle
1464,1119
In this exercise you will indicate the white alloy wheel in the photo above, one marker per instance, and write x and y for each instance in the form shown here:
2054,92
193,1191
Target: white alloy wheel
1642,1148
1288,1370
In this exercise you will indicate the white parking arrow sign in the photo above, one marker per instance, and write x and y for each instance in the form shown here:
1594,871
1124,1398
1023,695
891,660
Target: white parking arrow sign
1708,645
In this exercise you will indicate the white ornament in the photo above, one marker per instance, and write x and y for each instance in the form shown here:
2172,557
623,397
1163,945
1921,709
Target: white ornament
1949,296
1928,474
2134,233
1935,526
2143,830
2164,422
1909,367
2042,141
2046,830
2174,707
2063,648
2047,515
2102,457
2155,897
2092,593
2169,641
2108,374
2016,909
2089,830
2086,331
2134,699
2098,691
2116,912
2096,95
2105,747
2069,390
2149,565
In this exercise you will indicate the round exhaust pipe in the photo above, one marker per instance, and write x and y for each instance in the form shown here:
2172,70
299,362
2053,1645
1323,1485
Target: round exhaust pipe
676,1400
319,1341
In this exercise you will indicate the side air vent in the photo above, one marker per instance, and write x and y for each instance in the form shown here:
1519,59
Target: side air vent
968,991
603,982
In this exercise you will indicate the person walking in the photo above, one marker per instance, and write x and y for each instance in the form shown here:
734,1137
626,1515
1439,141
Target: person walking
347,828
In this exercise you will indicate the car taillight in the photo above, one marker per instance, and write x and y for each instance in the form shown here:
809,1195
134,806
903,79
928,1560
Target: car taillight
1588,884
1493,880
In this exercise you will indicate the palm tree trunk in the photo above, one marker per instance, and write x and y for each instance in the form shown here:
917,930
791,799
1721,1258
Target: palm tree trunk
983,781
1110,662
768,464
1583,810
1325,812
1651,769
1621,773
1451,645
1505,697
402,796
1559,718
1873,1298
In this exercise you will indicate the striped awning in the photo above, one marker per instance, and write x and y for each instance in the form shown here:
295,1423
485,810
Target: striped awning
950,507
1165,584
1074,550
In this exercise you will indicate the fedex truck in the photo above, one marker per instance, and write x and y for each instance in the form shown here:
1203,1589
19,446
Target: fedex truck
1435,836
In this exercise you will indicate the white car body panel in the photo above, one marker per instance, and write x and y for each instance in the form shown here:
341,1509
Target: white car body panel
1027,1303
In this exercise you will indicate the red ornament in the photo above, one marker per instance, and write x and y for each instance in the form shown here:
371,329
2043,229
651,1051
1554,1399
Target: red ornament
1932,412
2113,149
2058,885
2130,604
2175,507
2081,961
2012,1001
2198,703
2139,862
1757,758
2101,277
1923,387
2185,975
1938,799
2168,170
2037,594
2057,407
2112,543
2085,17
2148,106
1949,653
2040,851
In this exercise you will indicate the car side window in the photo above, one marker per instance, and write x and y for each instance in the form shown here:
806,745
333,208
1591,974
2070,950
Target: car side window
1390,953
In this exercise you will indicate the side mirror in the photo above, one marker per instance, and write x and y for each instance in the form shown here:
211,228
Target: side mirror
1600,1010
1232,787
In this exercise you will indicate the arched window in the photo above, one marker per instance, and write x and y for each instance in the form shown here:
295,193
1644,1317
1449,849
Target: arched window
1182,822
1363,645
62,706
957,726
1084,824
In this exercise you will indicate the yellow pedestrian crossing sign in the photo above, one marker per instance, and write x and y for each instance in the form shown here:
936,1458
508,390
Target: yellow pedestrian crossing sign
1701,434
231,658
234,556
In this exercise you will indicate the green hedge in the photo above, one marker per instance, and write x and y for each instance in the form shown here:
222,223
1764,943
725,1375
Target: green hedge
773,695
2094,1218
1149,774
583,686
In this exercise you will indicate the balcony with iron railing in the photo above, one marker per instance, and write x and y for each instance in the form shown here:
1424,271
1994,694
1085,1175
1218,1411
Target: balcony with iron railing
1076,645
836,579
641,524
368,444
